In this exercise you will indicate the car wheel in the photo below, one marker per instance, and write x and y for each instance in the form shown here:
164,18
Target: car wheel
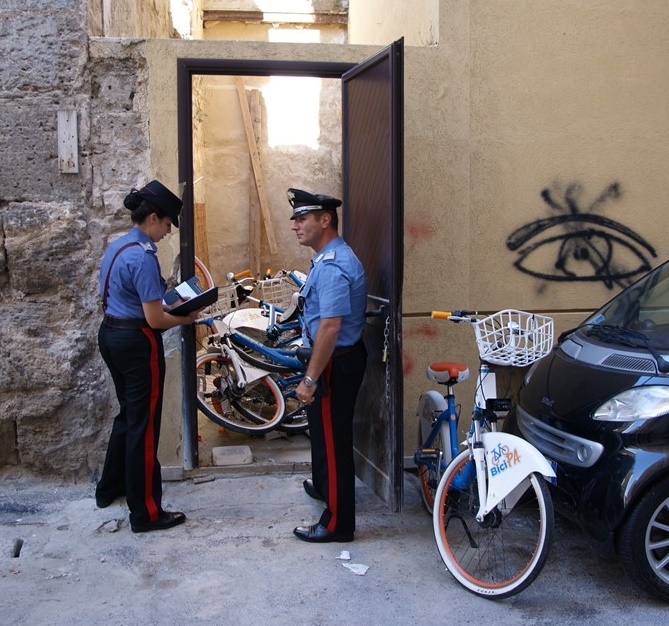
643,541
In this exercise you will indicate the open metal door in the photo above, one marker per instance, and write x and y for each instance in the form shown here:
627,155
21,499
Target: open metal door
373,151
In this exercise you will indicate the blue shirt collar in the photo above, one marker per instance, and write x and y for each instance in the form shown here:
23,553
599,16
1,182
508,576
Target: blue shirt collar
139,235
330,245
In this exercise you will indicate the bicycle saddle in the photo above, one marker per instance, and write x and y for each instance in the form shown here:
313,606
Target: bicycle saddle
303,354
447,372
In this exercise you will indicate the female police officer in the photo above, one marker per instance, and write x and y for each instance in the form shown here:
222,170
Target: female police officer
130,342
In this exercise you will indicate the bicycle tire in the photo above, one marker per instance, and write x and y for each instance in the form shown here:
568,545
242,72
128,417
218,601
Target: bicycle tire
502,555
259,408
204,276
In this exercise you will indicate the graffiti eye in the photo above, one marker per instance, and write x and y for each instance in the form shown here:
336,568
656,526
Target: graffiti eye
580,247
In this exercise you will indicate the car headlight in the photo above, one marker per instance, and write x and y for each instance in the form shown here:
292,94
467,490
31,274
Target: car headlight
635,404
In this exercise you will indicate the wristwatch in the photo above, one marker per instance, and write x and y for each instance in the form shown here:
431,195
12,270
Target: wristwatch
308,381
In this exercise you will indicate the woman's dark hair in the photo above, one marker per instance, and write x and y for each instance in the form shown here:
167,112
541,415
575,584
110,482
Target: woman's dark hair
141,208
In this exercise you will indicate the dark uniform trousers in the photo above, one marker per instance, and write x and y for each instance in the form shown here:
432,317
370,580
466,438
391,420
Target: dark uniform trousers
331,432
135,358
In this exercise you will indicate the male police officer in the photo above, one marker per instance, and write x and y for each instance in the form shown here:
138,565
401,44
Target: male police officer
334,304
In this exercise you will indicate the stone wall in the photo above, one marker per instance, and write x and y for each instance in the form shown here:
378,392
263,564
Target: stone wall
55,401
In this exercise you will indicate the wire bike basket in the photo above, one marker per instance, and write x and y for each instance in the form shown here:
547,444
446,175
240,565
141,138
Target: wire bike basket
228,300
277,291
514,338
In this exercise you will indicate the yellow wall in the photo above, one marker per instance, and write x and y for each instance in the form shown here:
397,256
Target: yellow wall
381,21
518,97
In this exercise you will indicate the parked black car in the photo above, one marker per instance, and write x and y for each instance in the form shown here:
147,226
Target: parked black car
598,407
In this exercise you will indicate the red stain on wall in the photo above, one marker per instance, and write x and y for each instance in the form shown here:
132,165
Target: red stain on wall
428,330
416,232
407,363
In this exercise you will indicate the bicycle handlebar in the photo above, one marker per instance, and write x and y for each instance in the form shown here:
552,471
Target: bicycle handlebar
461,315
441,315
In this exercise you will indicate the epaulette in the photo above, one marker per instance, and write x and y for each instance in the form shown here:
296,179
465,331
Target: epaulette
329,256
147,247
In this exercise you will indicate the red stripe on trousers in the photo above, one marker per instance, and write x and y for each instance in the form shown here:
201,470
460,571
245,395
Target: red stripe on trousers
326,416
149,433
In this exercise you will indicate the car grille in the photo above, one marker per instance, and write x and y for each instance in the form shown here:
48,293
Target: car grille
558,445
629,363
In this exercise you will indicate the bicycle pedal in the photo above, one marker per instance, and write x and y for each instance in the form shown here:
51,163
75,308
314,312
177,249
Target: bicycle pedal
428,454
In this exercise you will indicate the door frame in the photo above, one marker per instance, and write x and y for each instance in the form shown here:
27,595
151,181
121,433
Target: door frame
187,68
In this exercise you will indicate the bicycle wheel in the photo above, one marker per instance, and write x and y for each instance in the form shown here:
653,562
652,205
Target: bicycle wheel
502,555
258,408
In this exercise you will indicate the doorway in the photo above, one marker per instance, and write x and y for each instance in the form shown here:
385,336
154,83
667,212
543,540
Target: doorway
384,413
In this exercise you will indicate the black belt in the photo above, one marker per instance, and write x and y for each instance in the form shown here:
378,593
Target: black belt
124,323
342,350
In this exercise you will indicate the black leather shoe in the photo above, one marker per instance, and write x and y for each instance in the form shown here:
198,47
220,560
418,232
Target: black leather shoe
166,519
308,485
103,503
319,534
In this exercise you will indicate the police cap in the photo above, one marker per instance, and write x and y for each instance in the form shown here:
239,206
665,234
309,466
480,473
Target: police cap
303,202
160,196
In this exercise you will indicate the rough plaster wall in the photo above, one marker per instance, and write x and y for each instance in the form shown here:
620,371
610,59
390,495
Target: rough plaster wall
567,97
229,177
382,21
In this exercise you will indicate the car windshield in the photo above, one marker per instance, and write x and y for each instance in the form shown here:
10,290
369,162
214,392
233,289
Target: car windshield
638,316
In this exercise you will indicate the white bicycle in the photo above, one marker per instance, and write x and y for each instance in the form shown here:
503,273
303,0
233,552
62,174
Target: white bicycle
492,511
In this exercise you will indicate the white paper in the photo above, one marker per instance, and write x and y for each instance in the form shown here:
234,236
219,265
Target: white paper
357,568
185,291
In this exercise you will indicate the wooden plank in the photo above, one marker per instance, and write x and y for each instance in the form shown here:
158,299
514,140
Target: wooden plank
257,164
254,200
260,17
68,151
201,239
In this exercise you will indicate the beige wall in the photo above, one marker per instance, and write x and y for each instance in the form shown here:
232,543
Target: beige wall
382,21
517,98
227,180
529,96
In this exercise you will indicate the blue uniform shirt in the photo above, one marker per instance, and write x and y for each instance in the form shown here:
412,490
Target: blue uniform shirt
336,286
135,275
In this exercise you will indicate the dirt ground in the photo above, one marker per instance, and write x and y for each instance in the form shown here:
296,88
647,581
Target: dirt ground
235,561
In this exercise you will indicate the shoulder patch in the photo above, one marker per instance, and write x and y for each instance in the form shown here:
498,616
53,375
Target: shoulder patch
329,256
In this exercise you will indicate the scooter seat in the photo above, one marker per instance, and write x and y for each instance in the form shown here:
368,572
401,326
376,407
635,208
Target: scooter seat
448,372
